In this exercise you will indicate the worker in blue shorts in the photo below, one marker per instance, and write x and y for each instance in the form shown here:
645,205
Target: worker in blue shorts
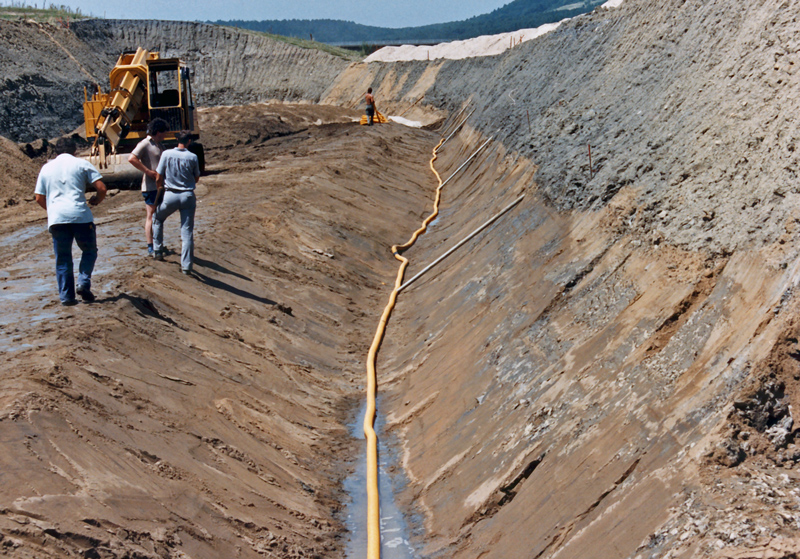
145,157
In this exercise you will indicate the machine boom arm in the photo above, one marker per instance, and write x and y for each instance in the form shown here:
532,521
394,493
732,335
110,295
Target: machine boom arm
128,83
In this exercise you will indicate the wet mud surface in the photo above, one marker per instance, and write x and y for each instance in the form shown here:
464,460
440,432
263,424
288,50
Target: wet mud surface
207,415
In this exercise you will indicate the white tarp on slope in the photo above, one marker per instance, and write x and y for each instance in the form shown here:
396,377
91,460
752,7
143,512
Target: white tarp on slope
486,45
405,121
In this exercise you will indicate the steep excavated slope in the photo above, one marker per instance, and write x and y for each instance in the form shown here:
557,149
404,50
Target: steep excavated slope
45,68
232,67
558,389
693,102
611,371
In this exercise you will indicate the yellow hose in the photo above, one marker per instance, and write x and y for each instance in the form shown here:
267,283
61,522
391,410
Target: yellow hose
373,499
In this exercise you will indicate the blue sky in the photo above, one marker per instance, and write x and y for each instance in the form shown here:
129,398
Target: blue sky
369,12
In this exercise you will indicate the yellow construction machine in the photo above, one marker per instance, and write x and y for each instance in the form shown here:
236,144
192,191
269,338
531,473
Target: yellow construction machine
144,86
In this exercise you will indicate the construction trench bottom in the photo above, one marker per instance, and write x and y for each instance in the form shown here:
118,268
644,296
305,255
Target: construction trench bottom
208,414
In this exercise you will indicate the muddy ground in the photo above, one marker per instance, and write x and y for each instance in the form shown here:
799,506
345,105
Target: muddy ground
205,416
611,371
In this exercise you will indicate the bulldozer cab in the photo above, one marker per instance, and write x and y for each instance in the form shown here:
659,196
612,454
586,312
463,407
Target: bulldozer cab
170,94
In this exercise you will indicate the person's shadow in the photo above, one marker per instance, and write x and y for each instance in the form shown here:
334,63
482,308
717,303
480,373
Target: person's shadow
218,268
146,308
218,284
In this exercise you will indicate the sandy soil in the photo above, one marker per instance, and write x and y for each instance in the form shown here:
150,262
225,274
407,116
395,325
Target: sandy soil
205,416
18,173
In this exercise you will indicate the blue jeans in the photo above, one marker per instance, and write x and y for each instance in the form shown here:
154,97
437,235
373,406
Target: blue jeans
185,202
85,235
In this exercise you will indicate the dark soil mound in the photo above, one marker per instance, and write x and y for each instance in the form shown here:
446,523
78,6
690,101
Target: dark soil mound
18,174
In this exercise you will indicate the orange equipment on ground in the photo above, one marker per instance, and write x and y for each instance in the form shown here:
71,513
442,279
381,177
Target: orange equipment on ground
377,119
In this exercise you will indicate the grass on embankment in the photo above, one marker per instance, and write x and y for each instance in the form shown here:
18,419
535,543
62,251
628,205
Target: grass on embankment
53,14
63,14
306,44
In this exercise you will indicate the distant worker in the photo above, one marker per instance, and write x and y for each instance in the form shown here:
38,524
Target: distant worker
145,157
61,190
176,175
371,109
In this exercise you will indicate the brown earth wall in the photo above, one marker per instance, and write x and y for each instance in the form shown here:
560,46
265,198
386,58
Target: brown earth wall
610,370
556,387
607,371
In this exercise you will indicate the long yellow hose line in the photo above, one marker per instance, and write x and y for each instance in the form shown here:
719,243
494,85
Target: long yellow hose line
373,499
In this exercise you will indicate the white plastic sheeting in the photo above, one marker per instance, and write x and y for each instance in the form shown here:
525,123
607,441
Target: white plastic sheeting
485,45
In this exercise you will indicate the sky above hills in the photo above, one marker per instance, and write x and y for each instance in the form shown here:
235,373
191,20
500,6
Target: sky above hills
405,13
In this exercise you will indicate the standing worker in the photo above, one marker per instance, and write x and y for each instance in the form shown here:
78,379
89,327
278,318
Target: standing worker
61,190
177,175
371,109
145,157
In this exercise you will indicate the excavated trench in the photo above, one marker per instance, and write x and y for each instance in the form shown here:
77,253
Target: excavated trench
610,370
207,415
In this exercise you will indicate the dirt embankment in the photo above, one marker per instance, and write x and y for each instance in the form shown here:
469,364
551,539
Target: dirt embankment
205,416
691,102
232,67
594,378
46,68
19,174
627,347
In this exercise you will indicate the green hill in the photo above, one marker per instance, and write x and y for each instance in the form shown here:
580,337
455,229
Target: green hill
519,14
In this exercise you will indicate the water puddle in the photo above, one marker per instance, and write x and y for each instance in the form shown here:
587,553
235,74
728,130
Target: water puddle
24,234
394,531
24,298
28,292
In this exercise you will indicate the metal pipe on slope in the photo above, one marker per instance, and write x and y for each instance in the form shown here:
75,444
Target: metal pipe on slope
461,243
